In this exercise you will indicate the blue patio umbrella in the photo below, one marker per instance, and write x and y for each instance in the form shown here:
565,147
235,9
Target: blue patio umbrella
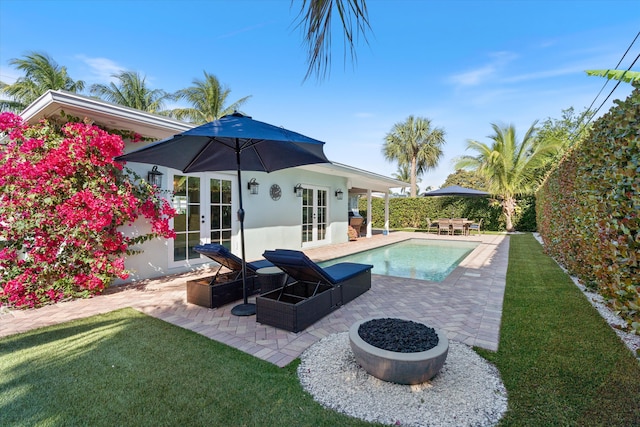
456,190
234,142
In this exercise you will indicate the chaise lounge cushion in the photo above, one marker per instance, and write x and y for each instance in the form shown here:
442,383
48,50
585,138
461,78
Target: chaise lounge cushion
224,257
298,266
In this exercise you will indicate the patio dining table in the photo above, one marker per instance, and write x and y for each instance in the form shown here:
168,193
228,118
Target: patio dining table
465,223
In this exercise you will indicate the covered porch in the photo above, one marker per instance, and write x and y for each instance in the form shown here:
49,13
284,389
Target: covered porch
361,183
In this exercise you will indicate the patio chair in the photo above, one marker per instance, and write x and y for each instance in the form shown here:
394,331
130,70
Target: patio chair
457,224
225,258
475,227
354,278
431,225
443,225
357,222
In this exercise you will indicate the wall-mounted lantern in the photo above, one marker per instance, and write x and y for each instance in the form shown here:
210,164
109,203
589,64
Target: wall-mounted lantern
253,186
154,177
339,194
298,190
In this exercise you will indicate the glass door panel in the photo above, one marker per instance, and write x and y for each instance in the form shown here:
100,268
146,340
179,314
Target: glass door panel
314,215
220,212
187,222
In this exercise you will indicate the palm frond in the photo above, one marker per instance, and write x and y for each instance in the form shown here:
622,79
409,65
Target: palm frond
316,17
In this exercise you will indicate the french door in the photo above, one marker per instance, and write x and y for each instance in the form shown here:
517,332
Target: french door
203,215
314,216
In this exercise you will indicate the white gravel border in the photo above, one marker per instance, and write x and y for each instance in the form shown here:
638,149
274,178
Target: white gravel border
467,391
632,341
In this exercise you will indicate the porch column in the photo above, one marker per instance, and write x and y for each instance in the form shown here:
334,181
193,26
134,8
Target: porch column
369,213
386,213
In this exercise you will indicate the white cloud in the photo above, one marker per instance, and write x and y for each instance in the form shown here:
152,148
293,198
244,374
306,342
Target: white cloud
101,69
474,77
499,61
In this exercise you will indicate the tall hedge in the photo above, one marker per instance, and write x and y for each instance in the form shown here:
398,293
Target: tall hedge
412,212
588,207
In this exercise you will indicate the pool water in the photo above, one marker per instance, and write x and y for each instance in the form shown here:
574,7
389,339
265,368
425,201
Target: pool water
420,259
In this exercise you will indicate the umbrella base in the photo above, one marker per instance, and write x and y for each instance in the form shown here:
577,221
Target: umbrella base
244,310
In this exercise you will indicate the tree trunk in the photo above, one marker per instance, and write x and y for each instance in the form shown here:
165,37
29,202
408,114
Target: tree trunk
508,209
413,177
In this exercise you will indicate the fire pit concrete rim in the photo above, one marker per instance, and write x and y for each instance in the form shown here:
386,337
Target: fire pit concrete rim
442,347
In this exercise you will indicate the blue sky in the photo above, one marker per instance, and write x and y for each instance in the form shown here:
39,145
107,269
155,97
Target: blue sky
462,64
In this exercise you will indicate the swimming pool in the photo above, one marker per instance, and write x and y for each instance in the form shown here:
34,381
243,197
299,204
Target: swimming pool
415,258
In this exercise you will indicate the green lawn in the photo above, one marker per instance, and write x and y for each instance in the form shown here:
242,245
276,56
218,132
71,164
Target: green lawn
561,364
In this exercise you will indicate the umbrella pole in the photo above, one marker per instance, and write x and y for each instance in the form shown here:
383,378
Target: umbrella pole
244,309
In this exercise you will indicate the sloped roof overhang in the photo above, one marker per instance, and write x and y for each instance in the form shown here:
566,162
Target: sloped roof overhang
359,180
110,116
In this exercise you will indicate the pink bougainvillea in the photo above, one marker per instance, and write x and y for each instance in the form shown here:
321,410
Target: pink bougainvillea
63,199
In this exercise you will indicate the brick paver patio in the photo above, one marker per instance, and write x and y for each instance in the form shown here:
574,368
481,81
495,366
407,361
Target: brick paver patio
467,304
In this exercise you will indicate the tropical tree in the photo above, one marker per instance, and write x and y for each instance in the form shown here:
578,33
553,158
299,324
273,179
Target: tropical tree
315,18
41,73
510,166
132,91
467,179
626,76
207,98
567,131
415,144
404,174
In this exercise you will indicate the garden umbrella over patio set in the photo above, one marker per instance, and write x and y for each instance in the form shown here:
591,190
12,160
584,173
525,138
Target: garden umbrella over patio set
234,142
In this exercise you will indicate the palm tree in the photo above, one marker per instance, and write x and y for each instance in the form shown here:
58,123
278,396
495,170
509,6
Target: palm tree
316,19
207,98
41,73
510,167
626,76
132,92
415,144
404,174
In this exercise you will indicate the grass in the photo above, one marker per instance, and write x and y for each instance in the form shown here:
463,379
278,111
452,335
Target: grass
125,368
561,363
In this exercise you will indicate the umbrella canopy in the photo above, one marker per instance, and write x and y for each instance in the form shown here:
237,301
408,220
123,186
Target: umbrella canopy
214,146
234,142
456,190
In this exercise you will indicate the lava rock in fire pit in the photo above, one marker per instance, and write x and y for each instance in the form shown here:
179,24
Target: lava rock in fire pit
402,336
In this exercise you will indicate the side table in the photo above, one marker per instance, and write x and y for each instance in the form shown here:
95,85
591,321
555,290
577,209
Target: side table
270,278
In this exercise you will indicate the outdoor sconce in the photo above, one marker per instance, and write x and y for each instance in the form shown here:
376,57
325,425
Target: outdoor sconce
298,190
253,186
339,194
154,177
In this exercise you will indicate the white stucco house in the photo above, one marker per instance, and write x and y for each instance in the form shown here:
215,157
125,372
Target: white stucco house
276,217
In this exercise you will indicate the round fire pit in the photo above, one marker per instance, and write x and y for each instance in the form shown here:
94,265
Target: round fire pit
398,366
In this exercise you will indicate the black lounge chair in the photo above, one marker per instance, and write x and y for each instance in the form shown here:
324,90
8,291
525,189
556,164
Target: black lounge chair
225,258
221,289
314,291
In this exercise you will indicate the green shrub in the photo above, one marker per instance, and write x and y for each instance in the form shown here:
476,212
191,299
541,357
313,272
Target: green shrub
412,212
587,209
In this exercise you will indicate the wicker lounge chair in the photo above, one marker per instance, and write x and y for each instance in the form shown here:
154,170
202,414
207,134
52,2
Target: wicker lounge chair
314,292
223,288
225,258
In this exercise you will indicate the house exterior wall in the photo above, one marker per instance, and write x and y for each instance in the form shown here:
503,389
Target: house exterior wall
269,224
